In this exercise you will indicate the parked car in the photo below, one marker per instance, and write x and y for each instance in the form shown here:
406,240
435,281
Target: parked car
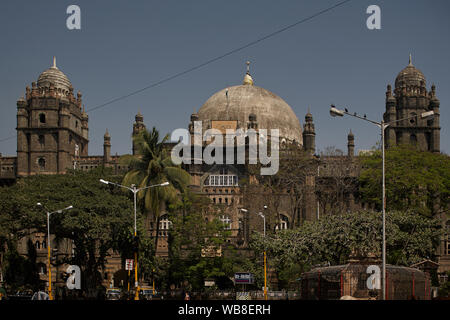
22,295
113,294
146,293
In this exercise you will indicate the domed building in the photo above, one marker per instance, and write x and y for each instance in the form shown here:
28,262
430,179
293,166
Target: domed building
52,127
411,98
246,105
54,76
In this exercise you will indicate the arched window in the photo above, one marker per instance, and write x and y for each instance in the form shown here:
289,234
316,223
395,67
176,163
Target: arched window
283,224
164,225
42,268
41,163
42,118
447,245
42,140
222,178
37,245
413,139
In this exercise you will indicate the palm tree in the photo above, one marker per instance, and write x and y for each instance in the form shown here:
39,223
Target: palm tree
152,165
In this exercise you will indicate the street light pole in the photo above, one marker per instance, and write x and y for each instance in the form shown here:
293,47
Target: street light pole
382,125
265,255
50,294
135,191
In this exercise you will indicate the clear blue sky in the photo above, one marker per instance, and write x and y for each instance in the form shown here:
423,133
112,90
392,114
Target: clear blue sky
124,46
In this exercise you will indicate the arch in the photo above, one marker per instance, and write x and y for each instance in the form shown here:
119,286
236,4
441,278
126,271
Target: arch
413,139
447,238
41,163
42,118
42,268
164,225
283,224
41,139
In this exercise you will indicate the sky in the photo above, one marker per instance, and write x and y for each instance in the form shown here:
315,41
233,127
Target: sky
124,46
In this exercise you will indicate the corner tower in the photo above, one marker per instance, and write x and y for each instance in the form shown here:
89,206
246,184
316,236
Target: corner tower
51,126
138,126
411,98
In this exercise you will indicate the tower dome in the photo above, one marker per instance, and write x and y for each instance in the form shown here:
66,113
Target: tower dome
410,77
56,77
238,103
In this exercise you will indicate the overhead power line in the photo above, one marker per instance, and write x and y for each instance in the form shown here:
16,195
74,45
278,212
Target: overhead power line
252,43
179,74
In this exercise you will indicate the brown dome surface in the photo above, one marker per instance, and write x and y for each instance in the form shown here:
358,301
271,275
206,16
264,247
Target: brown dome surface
239,102
56,77
410,76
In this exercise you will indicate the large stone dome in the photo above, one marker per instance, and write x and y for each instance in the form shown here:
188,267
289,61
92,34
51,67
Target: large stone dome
238,103
56,77
410,76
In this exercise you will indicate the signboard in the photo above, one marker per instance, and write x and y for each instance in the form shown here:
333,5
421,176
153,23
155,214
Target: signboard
243,278
223,125
129,263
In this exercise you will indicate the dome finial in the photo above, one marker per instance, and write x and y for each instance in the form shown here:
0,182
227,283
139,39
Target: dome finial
248,78
54,62
410,60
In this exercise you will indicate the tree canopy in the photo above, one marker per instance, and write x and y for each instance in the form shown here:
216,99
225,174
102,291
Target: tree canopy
415,180
100,221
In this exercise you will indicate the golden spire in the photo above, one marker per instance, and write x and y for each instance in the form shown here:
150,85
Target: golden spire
248,78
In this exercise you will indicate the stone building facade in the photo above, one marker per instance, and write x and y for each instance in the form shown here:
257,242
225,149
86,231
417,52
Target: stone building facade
52,136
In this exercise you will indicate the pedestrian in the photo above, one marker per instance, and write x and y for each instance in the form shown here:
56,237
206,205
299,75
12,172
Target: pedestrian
186,296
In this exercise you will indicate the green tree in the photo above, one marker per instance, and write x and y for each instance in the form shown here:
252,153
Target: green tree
153,165
410,238
99,216
415,180
195,239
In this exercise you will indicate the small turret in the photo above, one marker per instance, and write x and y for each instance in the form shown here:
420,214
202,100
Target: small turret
138,127
106,147
309,134
351,144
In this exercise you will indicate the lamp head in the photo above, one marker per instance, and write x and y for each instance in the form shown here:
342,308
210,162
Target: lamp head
335,112
164,184
244,210
39,204
104,181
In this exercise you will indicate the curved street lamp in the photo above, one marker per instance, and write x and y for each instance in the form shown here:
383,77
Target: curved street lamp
335,112
135,191
50,295
265,255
